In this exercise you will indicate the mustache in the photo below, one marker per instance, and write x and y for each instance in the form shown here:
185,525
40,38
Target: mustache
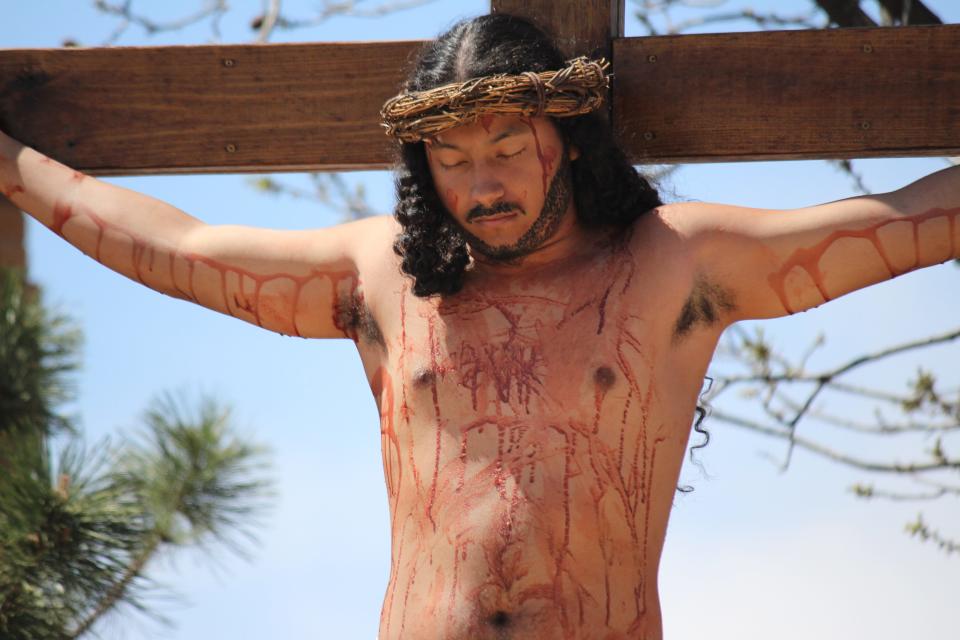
481,211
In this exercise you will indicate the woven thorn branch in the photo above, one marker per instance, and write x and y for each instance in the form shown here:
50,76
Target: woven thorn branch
578,88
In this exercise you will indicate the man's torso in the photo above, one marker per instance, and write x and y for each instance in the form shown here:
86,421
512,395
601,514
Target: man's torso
532,433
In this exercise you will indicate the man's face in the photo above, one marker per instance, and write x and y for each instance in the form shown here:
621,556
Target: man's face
505,180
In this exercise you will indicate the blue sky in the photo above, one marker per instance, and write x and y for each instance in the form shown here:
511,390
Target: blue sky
750,553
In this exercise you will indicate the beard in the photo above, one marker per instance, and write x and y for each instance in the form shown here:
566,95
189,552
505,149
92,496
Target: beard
555,206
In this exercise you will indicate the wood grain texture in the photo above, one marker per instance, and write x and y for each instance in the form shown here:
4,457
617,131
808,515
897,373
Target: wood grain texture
202,109
12,253
580,27
839,93
718,97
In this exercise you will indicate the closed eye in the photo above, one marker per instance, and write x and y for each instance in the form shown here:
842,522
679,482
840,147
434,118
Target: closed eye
507,156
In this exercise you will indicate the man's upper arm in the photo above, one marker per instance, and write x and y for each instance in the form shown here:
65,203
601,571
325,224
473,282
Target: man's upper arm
775,263
299,283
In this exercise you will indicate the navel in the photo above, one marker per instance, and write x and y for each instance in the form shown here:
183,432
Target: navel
500,619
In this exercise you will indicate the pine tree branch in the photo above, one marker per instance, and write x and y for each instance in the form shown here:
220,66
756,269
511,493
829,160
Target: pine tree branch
119,590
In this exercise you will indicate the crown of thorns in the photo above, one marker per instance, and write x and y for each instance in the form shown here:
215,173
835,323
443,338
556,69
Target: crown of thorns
576,89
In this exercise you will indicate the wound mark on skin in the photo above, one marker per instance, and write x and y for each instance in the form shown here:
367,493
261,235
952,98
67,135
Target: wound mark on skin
704,305
352,313
9,192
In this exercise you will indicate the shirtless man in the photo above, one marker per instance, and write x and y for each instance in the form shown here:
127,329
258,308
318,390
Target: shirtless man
534,324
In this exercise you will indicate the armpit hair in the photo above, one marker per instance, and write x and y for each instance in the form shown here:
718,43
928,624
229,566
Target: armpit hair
703,307
355,317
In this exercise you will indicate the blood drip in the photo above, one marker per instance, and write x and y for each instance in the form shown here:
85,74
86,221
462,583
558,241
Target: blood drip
809,258
62,213
9,192
547,158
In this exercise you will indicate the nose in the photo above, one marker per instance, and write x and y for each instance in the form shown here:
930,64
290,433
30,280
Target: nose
487,187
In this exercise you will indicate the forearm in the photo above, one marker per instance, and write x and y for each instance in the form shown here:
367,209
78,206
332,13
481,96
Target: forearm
133,234
940,190
932,205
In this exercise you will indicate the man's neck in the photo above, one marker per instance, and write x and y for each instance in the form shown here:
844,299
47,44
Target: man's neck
571,241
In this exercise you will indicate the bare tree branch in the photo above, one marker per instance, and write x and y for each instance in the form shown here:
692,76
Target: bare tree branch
825,452
868,491
348,8
920,529
213,8
268,21
859,361
763,20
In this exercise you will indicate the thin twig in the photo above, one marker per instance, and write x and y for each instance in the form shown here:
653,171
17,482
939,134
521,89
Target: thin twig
813,447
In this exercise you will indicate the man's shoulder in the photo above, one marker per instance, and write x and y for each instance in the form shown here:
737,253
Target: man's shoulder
370,234
371,240
688,219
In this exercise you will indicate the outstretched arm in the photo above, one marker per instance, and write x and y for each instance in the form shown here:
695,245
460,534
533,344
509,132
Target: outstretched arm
292,282
776,263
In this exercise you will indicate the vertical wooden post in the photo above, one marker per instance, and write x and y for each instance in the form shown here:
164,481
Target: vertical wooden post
580,27
12,253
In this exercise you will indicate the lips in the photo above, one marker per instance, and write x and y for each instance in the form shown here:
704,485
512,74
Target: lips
499,217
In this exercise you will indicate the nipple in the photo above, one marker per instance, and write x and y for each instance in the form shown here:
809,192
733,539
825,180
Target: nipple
604,378
423,377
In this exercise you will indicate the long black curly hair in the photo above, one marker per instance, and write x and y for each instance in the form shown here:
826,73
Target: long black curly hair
607,190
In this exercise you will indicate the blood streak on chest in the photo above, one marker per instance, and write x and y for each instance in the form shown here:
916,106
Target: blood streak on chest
808,258
434,361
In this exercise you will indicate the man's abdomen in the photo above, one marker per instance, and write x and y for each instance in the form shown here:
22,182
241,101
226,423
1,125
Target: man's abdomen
525,530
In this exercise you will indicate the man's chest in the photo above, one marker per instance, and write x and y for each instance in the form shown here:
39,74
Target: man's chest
531,351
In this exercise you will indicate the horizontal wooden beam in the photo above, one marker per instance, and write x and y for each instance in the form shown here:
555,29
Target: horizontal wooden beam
295,107
784,95
204,109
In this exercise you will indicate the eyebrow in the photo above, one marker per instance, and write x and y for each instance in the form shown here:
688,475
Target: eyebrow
512,130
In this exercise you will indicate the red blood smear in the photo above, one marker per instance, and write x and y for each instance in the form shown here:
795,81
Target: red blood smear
453,200
382,387
434,356
602,310
9,192
62,213
808,259
486,121
406,596
547,158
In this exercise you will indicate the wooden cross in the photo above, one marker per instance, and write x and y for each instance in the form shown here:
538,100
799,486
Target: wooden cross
809,94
